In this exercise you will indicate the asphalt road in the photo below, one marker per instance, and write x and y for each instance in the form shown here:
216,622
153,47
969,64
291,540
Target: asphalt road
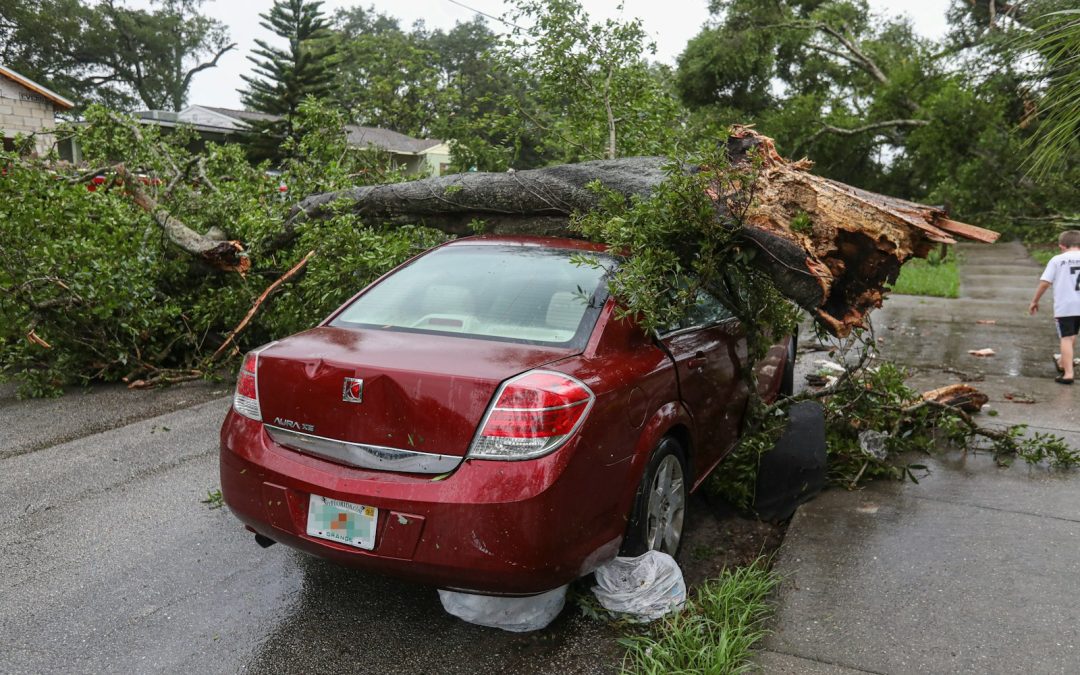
111,563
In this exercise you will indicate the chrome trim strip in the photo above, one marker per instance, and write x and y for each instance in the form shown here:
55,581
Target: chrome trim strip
364,456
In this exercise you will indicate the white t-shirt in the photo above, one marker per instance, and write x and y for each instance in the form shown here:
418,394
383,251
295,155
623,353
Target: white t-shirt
1063,271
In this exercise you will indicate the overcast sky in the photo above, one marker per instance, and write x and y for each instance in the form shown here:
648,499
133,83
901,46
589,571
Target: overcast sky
671,23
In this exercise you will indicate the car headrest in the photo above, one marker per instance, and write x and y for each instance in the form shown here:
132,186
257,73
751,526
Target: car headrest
565,310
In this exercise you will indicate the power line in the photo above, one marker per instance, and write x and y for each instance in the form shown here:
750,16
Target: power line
490,16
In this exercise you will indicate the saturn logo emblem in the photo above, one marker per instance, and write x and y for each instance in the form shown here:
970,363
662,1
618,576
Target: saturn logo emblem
353,391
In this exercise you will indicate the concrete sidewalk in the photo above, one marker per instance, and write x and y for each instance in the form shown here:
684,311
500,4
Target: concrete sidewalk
974,568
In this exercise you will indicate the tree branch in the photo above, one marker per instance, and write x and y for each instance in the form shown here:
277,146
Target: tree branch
204,66
868,64
835,52
612,153
258,303
224,255
872,126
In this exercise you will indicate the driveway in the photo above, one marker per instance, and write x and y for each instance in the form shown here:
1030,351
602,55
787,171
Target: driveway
974,569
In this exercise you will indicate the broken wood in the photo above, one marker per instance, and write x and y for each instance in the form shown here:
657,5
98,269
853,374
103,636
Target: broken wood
164,377
227,256
837,268
33,338
962,396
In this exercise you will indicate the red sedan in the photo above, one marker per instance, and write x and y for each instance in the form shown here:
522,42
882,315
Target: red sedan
480,419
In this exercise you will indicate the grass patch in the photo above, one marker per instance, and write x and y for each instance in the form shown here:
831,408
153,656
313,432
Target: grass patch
714,633
1043,255
214,499
935,276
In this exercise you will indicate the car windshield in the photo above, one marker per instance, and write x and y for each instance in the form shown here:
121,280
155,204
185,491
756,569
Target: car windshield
524,294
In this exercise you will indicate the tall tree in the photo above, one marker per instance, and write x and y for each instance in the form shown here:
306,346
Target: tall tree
110,53
878,106
156,53
592,92
448,84
484,100
385,76
284,77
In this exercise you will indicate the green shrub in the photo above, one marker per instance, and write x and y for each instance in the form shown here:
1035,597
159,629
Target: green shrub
90,288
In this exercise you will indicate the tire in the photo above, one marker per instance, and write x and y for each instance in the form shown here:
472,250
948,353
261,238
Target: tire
787,381
659,513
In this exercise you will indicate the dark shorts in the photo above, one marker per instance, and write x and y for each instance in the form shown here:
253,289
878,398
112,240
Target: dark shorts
1068,326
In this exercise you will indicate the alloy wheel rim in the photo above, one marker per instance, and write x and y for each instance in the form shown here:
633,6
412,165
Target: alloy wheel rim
666,507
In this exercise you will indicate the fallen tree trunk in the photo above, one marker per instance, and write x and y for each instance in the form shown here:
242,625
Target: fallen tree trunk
836,264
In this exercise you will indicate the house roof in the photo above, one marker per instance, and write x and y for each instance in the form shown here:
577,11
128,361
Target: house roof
243,115
56,99
228,120
388,140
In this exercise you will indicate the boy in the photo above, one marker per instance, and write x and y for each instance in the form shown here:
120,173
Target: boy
1063,273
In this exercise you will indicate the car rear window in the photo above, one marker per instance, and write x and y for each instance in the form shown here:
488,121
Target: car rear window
527,294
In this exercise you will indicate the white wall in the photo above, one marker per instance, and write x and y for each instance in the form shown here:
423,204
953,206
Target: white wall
25,111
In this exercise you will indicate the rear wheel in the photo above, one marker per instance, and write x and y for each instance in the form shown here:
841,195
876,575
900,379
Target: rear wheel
656,522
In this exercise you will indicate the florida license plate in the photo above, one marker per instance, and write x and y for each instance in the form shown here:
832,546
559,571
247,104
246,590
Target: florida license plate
341,521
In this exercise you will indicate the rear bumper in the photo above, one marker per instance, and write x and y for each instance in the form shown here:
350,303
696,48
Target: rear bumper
513,528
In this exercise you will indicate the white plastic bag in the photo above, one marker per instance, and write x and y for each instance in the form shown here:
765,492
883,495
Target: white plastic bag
873,443
517,615
646,587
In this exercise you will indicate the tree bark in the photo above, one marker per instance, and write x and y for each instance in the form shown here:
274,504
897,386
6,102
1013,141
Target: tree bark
227,256
836,267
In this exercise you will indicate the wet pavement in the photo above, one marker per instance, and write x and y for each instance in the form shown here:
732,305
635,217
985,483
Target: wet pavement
113,564
973,569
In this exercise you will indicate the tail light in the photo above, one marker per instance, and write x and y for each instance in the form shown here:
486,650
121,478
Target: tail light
246,398
532,415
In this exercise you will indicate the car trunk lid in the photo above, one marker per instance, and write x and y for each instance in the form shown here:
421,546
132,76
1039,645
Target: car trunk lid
420,393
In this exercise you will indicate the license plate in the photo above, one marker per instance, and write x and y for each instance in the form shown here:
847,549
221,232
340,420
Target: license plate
341,521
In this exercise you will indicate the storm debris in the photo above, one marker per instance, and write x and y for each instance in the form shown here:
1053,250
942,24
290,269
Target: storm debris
962,396
829,247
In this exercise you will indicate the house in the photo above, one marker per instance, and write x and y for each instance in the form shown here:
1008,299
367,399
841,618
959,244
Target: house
428,157
27,107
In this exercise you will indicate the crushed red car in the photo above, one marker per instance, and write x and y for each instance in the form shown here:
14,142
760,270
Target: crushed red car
481,420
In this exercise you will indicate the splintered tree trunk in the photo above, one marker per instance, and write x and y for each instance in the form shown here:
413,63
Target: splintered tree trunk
836,267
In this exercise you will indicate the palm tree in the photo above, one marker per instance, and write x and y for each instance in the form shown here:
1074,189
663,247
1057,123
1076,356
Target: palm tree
1057,39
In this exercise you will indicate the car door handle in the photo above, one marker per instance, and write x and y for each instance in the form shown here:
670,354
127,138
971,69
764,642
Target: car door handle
696,362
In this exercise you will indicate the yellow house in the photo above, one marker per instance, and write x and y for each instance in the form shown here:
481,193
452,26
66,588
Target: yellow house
415,156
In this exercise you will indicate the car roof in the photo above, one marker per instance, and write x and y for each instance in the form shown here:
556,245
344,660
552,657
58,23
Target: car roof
529,240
